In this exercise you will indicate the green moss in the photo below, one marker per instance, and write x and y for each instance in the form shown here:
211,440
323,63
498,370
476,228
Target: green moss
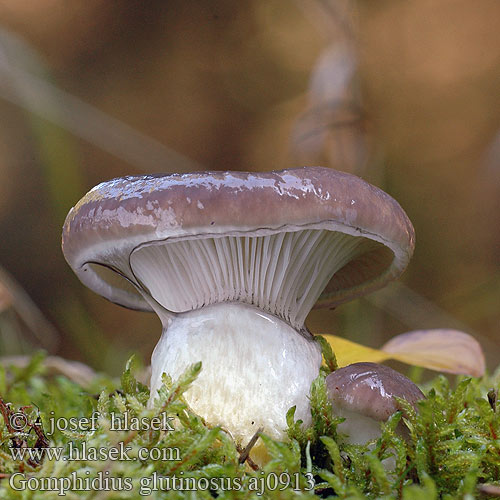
452,451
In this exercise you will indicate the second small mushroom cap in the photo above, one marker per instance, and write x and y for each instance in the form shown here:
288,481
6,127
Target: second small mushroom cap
271,239
365,394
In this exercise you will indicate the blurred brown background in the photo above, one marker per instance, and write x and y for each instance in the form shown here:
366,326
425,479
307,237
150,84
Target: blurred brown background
404,94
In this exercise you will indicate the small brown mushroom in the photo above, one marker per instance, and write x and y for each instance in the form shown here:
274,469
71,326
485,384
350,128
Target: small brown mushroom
364,394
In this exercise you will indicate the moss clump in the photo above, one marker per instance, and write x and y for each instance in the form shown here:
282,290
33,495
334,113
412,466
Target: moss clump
115,447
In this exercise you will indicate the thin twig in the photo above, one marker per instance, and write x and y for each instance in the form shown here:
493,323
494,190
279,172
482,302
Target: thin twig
244,456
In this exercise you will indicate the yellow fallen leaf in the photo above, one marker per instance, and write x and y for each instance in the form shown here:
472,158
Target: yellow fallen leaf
442,350
348,352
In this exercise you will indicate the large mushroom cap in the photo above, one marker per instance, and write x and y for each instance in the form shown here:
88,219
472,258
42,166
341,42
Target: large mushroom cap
273,239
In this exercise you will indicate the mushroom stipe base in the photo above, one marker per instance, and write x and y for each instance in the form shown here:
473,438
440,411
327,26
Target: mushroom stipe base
254,367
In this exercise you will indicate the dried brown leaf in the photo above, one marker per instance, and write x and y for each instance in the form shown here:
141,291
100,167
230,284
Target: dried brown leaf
443,350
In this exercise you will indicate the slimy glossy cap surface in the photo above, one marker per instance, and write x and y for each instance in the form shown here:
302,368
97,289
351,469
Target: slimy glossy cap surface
369,390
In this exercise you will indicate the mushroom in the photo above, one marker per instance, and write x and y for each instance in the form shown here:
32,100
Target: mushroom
364,394
232,263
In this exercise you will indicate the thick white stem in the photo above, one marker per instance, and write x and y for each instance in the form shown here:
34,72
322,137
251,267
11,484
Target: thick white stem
254,367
